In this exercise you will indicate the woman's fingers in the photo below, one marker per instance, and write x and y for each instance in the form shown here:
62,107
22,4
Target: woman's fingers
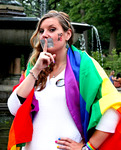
66,139
68,144
45,46
64,143
64,147
50,56
44,60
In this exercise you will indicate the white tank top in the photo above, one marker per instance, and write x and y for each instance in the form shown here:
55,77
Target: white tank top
53,120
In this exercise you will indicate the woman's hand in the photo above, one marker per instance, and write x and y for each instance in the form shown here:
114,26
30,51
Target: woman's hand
69,144
42,62
44,59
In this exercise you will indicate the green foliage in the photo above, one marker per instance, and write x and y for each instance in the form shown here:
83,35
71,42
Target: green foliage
111,62
98,57
32,8
102,12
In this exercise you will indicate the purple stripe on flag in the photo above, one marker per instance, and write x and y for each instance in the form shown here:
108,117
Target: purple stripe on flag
72,95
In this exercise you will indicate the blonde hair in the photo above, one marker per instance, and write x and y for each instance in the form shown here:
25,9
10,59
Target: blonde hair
64,21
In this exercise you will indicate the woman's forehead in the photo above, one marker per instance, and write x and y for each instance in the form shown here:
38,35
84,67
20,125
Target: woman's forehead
50,22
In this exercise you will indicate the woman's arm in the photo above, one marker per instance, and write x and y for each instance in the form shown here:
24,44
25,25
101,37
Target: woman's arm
98,138
42,62
105,128
27,85
119,80
13,103
114,78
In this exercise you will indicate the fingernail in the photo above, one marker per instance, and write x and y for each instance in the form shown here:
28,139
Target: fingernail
57,146
54,61
59,138
55,141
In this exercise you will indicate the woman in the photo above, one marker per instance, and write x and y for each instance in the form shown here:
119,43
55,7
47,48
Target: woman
117,82
111,77
57,78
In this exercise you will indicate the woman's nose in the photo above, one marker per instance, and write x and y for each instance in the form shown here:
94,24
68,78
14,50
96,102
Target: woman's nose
45,34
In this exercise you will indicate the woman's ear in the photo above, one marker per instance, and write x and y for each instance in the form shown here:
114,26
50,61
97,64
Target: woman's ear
68,34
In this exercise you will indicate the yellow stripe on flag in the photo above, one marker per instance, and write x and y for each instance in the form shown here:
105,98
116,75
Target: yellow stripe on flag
15,148
111,97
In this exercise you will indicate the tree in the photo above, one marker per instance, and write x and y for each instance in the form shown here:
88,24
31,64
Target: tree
112,62
53,4
106,15
34,8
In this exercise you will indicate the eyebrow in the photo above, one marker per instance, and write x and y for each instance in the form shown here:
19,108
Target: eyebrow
49,26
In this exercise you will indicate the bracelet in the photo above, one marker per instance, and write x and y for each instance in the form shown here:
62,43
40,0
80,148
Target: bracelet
36,78
90,146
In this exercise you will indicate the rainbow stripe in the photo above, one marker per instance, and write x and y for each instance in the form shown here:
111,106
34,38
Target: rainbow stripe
97,93
89,145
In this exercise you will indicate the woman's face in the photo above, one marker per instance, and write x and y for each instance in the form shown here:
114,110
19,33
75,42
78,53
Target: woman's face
51,28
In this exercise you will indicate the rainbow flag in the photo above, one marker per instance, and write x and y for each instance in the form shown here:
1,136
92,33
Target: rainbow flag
96,92
21,129
89,93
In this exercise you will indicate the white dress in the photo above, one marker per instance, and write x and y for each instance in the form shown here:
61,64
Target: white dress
53,120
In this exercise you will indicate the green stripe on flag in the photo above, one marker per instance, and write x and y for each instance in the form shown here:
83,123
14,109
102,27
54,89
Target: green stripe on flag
89,80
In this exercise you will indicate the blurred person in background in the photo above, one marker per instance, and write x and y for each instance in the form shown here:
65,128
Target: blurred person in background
111,76
117,82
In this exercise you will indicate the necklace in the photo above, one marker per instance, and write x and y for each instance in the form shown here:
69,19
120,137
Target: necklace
59,69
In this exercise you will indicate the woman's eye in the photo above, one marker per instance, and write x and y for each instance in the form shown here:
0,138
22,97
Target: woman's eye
52,29
41,31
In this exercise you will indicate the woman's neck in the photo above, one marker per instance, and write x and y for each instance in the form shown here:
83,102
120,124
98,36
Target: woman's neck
61,58
60,64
